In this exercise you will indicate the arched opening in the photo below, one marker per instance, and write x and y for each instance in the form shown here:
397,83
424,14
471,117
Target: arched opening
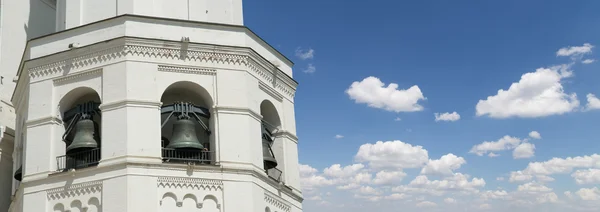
80,113
186,124
271,123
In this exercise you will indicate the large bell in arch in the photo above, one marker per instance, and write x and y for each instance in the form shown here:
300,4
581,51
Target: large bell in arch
19,174
86,136
269,161
184,135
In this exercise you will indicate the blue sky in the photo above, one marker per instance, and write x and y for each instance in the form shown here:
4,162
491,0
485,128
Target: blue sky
456,56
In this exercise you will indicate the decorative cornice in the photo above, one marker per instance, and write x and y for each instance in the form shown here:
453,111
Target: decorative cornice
74,190
277,202
272,92
187,70
238,110
189,183
286,134
72,77
104,107
127,48
43,121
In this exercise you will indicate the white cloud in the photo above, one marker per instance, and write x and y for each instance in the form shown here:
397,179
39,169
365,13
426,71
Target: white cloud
455,183
388,177
310,69
398,119
485,206
374,93
305,54
504,143
500,178
535,135
562,166
519,176
537,94
454,116
588,61
339,136
593,102
426,204
533,188
397,196
443,166
589,194
368,190
392,154
575,50
493,155
524,150
338,171
588,176
450,200
306,170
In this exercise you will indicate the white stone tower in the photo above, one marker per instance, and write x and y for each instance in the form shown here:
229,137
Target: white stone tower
154,106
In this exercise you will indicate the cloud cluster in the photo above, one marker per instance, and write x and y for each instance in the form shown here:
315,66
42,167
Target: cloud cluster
543,170
537,94
306,55
383,171
379,173
376,94
454,116
522,148
540,93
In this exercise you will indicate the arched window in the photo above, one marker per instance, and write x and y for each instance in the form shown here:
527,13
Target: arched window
82,120
186,124
271,123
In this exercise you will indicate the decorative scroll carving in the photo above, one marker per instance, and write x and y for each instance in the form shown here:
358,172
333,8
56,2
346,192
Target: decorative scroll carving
277,202
103,54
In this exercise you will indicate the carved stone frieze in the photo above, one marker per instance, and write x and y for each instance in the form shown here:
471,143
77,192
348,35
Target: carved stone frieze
276,202
182,194
74,190
73,77
190,183
187,70
97,55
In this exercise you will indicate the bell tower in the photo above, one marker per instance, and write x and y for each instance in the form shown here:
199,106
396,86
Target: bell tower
154,105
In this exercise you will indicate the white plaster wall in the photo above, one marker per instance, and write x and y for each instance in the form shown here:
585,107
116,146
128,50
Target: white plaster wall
21,20
6,169
74,13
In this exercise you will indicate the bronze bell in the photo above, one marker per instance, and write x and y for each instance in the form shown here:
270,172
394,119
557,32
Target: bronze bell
86,136
184,135
269,161
19,174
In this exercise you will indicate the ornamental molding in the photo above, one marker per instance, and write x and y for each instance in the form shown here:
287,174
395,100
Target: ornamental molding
190,183
277,202
270,91
161,51
74,190
76,76
286,134
43,121
238,110
105,107
187,70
